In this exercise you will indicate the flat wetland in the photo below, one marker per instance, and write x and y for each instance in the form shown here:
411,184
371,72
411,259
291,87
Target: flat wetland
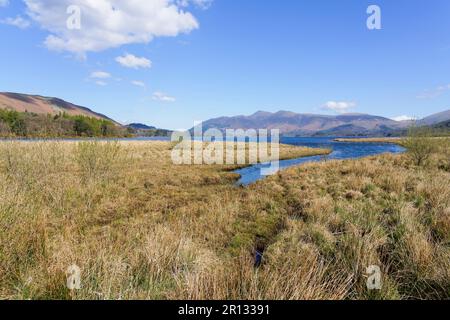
140,227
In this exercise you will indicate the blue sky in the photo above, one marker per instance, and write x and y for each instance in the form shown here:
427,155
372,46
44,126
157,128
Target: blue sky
199,59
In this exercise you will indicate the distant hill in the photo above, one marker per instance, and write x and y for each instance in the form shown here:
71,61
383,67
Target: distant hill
144,130
23,115
140,126
435,118
291,123
45,105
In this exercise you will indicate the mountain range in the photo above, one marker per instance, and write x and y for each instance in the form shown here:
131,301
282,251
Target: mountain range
352,124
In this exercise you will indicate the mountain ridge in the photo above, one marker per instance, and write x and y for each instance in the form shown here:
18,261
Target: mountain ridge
436,118
38,104
291,123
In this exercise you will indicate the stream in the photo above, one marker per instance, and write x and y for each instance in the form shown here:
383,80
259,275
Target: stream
341,151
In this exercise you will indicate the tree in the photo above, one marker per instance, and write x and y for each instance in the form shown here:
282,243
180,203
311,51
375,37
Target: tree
82,127
420,144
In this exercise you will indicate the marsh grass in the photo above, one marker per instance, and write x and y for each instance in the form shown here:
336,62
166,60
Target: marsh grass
140,227
96,160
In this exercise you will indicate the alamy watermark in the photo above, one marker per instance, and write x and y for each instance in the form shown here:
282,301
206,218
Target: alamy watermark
73,277
73,22
374,20
234,147
374,278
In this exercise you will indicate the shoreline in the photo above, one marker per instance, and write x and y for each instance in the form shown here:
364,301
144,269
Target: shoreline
395,140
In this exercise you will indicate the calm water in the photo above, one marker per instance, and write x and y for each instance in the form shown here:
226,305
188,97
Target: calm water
341,150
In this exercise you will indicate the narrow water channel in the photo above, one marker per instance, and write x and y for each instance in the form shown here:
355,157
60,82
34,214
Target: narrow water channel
341,151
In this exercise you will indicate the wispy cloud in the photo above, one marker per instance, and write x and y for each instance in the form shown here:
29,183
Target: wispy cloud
4,3
18,22
160,96
339,106
99,78
138,83
131,61
101,83
434,93
100,75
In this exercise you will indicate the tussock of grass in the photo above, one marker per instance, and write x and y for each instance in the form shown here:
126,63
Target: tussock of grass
140,227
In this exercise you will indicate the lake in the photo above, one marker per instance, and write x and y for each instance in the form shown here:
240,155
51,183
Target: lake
341,151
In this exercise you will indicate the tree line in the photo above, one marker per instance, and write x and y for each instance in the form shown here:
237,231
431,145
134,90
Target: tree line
26,124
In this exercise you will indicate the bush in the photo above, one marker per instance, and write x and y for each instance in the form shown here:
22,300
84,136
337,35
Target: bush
15,121
96,159
420,144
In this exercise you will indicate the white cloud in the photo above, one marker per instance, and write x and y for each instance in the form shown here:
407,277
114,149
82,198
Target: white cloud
131,61
18,22
138,83
436,92
404,118
4,3
100,75
339,106
101,83
109,23
160,96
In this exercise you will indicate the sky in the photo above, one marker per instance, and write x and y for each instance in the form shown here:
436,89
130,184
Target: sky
169,63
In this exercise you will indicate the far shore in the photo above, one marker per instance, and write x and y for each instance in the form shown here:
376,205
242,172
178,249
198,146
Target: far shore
394,140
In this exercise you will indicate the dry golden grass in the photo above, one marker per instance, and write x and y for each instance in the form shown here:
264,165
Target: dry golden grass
140,227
